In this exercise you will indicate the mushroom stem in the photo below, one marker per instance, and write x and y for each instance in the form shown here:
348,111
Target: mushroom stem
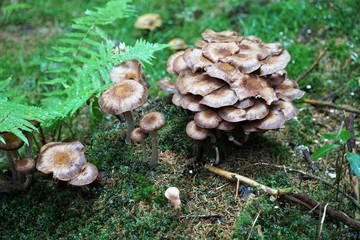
143,148
130,126
232,139
214,145
155,150
14,156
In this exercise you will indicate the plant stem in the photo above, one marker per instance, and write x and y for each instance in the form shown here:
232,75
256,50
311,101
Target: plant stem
28,148
155,150
130,126
143,148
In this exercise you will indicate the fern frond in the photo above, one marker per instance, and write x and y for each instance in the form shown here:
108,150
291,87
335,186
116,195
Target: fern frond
82,43
93,77
14,117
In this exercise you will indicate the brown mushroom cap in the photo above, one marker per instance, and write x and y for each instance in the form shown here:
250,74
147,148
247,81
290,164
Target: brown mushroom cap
207,119
197,84
177,44
148,21
226,126
86,176
251,85
138,136
217,51
25,165
130,69
221,37
287,107
122,97
195,59
167,86
274,120
64,160
246,63
258,111
12,142
245,103
232,114
196,132
274,63
220,98
224,71
191,102
152,122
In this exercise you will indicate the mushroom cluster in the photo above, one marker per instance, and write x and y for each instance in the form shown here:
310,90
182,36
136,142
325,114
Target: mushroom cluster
233,82
129,91
66,161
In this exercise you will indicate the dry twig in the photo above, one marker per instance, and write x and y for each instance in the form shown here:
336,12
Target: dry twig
330,104
312,66
300,198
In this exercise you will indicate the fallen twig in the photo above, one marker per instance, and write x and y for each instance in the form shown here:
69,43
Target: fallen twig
211,217
330,104
307,157
312,66
289,194
247,181
357,205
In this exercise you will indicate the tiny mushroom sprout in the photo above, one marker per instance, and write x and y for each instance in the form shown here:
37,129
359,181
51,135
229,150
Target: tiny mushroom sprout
238,79
173,194
148,21
177,44
65,160
121,98
11,146
25,165
139,136
151,123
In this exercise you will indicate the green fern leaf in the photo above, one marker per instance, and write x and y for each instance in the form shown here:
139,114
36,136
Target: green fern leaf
14,117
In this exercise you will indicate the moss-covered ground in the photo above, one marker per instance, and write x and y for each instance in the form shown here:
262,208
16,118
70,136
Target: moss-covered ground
127,200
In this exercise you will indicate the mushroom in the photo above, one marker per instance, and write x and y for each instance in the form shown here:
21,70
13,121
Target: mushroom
198,133
130,69
177,44
124,97
151,123
11,146
139,136
173,194
240,78
167,86
25,165
148,21
86,176
65,160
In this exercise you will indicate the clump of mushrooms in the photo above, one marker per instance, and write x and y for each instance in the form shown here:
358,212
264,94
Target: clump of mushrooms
234,81
129,91
67,162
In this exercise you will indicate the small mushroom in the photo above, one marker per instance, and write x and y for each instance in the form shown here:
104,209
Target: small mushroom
173,194
148,21
124,97
11,146
177,44
207,119
65,160
167,86
198,133
151,123
139,136
25,165
86,176
130,69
